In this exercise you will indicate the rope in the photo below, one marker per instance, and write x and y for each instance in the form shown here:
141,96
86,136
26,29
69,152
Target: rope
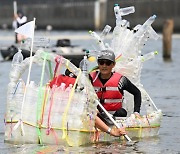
50,108
50,70
64,136
44,101
58,61
40,99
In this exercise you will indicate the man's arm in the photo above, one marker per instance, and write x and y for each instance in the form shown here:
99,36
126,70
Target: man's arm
112,131
126,84
21,20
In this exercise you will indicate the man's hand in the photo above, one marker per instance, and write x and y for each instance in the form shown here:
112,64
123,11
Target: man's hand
15,16
117,131
137,115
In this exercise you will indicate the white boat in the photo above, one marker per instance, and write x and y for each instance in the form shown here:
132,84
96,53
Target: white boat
63,47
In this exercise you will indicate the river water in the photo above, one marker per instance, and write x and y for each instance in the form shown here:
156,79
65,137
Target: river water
160,78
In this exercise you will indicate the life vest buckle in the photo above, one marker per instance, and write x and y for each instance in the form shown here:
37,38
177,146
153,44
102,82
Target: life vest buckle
101,101
103,89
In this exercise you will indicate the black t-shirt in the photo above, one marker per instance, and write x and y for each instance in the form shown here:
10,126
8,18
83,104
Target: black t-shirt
126,84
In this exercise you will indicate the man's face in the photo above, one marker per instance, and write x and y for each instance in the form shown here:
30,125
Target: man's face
105,66
20,14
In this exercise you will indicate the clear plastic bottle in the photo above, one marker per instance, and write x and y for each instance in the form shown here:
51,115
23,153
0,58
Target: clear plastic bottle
30,104
84,65
149,108
68,89
15,69
62,86
145,27
19,97
149,55
14,99
61,99
150,20
127,10
105,31
122,12
76,100
17,58
98,40
11,104
67,93
117,14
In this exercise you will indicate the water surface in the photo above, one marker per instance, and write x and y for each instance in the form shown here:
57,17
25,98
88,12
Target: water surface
160,78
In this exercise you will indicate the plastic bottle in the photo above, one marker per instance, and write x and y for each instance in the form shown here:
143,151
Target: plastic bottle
149,56
98,40
127,10
14,99
84,65
68,89
32,84
149,108
122,12
67,92
117,14
150,20
15,69
30,104
145,27
61,98
17,58
10,108
19,97
152,34
62,87
105,31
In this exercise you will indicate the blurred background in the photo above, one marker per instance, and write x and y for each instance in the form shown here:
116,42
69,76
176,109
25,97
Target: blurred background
71,19
89,14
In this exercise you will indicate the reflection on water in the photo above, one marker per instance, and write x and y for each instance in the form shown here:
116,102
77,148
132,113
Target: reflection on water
99,148
114,147
160,78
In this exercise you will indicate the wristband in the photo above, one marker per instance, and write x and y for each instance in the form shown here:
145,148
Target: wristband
109,130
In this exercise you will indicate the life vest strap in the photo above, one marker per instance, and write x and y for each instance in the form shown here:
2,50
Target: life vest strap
110,101
97,89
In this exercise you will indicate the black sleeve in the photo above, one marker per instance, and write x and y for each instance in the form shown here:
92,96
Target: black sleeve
90,78
126,84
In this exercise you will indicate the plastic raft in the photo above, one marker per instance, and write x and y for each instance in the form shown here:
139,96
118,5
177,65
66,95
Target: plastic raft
39,114
49,116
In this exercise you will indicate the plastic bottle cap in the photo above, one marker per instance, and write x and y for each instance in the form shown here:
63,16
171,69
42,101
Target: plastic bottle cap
32,83
155,52
154,16
92,58
63,84
85,57
87,51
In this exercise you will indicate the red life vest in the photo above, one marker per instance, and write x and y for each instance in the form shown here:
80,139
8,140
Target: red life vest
62,79
109,94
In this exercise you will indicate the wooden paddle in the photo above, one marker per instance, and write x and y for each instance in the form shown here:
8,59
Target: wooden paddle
110,117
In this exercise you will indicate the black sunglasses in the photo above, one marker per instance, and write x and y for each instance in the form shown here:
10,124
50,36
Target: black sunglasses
107,62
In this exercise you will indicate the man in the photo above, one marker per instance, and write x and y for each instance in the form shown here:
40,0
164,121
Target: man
19,20
110,86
